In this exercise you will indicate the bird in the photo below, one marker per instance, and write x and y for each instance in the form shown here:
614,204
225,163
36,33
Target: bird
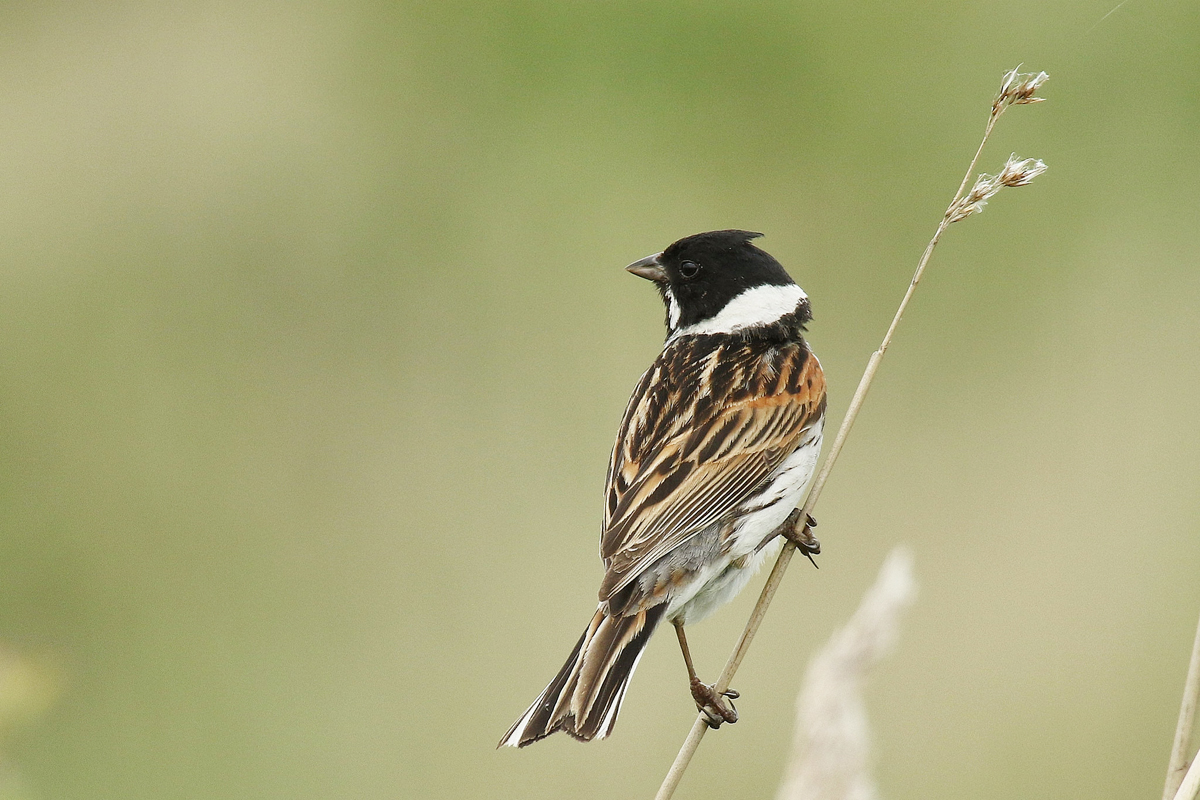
716,447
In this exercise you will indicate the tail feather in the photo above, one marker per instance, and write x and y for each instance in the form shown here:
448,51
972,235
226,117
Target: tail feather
584,698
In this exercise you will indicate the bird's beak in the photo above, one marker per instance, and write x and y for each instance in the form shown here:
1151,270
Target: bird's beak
649,268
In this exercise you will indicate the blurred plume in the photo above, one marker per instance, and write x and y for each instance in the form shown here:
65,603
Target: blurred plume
832,746
28,686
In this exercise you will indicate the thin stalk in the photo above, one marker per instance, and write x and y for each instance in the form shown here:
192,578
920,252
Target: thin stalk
1183,728
1191,783
700,726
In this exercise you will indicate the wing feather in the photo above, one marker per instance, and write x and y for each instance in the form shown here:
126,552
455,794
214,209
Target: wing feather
706,427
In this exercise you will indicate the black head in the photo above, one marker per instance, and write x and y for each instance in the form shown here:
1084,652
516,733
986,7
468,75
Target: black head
699,275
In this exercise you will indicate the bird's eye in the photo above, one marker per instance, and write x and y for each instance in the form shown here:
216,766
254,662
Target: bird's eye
689,269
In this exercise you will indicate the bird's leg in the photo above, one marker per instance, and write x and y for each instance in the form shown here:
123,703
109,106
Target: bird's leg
801,535
709,702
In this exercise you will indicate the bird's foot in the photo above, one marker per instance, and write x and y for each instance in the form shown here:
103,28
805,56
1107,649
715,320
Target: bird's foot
713,704
801,535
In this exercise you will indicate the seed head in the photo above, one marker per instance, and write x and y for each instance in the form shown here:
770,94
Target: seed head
1018,88
1019,172
1016,172
973,201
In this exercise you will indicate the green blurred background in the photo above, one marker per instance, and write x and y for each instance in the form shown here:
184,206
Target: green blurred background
314,337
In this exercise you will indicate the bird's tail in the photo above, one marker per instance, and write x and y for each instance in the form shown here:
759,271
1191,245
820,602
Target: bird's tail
585,696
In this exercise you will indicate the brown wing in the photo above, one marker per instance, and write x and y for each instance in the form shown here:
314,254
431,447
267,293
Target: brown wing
705,428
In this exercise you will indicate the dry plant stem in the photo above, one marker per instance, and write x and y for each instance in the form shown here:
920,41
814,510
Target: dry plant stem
1191,783
1183,729
700,726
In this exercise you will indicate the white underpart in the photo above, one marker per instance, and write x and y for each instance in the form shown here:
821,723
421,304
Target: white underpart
716,584
761,305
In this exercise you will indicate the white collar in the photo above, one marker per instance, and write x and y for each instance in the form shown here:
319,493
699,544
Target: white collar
761,305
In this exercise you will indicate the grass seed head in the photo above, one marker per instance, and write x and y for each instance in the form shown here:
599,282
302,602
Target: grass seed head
1018,88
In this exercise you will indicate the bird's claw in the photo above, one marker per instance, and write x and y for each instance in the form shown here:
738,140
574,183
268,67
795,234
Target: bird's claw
715,706
801,535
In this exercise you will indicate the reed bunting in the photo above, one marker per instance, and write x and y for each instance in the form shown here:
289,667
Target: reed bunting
714,452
